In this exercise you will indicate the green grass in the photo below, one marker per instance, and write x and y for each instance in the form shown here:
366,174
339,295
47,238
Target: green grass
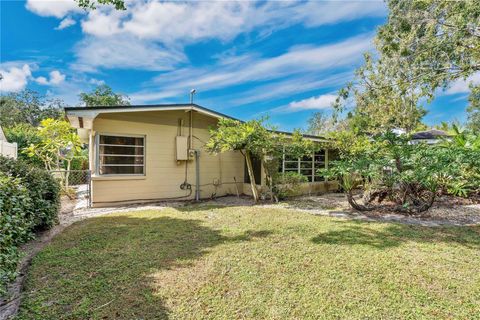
247,262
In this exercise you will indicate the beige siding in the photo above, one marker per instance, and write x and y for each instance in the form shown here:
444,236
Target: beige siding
163,174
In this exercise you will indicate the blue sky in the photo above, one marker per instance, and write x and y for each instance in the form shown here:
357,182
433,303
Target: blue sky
245,59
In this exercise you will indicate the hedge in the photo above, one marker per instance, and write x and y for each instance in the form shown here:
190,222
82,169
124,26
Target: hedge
16,208
29,201
43,188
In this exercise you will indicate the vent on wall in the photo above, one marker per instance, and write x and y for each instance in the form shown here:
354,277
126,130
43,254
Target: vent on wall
181,148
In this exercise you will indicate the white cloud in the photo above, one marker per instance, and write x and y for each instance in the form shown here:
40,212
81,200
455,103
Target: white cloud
284,88
52,8
298,63
65,23
96,82
124,53
314,103
56,77
151,35
461,86
14,78
316,13
186,22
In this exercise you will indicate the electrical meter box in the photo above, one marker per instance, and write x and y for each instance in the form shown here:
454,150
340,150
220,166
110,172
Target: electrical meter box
182,148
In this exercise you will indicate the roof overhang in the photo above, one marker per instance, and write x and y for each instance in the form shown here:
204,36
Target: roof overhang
82,117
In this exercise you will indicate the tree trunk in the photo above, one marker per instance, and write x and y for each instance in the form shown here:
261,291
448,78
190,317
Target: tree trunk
269,181
253,185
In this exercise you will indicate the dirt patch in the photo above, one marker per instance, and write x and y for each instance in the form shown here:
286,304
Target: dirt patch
446,211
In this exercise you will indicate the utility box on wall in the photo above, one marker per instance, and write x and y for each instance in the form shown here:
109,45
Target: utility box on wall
182,148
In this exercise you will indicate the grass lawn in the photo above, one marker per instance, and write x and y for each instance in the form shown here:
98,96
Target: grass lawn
250,263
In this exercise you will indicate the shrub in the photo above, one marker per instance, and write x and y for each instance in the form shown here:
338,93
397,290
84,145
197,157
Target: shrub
43,189
24,135
16,208
288,184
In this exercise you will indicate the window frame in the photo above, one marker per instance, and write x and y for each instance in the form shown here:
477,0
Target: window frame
126,135
286,165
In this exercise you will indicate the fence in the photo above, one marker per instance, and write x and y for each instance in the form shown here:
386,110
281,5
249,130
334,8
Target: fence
8,149
76,185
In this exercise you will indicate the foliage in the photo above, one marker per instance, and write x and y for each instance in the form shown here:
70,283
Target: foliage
29,201
288,184
321,123
405,175
462,138
92,4
437,40
474,109
59,145
42,187
425,45
384,98
252,138
28,107
103,96
24,135
15,226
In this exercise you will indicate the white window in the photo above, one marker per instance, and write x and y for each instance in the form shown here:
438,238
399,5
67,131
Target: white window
120,155
306,166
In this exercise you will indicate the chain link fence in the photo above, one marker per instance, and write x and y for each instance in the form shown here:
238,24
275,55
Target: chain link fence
76,185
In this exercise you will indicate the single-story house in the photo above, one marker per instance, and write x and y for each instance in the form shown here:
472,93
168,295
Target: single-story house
155,152
429,136
6,148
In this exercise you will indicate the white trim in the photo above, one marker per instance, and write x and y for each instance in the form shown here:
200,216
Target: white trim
126,135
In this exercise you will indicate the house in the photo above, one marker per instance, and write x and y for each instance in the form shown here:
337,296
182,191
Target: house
7,149
430,136
155,152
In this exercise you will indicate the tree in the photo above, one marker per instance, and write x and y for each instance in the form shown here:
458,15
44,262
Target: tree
320,123
92,4
58,146
474,109
253,139
28,107
437,40
24,135
383,97
103,96
424,46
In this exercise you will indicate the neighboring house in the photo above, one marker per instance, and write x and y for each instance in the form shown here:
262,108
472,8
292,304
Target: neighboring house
155,152
7,149
430,136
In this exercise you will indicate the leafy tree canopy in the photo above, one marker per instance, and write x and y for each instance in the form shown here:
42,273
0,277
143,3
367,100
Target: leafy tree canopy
92,4
474,109
28,107
425,45
103,95
254,139
438,40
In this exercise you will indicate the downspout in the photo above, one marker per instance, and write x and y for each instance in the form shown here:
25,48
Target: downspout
197,173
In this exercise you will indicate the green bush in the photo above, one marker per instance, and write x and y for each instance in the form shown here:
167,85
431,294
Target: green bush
288,184
16,208
24,135
43,189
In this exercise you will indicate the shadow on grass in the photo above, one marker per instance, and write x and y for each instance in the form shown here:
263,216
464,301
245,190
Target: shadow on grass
100,268
363,233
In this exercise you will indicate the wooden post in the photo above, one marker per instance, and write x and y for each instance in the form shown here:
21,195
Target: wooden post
250,174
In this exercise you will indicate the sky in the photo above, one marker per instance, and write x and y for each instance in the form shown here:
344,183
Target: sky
281,59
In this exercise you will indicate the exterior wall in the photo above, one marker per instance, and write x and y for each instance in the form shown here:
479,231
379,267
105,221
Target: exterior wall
8,149
163,174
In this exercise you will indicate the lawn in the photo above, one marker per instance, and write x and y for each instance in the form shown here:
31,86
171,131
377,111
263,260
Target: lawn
250,263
